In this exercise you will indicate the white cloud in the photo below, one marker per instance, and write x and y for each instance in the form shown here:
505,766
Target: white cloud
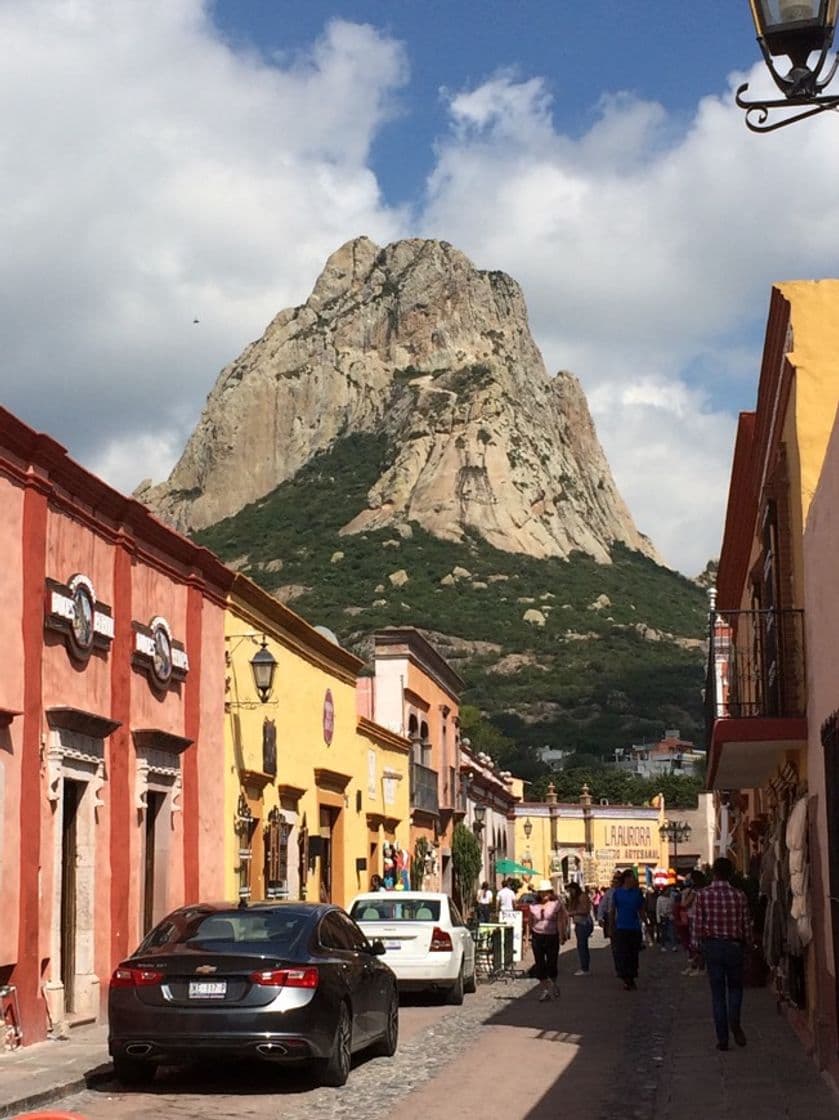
150,175
646,252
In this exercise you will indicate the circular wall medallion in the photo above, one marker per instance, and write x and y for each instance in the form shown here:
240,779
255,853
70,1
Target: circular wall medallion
81,624
161,663
328,718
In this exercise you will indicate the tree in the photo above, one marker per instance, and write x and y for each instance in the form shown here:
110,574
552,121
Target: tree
418,863
466,865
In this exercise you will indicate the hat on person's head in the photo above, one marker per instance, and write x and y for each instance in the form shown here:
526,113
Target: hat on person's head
544,885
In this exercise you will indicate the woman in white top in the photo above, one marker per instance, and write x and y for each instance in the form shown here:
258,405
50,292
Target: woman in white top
485,897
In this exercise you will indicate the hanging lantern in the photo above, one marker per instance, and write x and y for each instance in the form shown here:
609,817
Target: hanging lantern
801,31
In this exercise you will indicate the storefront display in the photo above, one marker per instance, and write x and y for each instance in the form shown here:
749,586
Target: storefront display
784,888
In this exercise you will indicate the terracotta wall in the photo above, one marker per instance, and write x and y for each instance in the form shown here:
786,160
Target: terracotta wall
11,700
57,520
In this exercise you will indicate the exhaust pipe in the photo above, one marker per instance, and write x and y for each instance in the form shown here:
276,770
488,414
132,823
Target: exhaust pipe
271,1049
138,1049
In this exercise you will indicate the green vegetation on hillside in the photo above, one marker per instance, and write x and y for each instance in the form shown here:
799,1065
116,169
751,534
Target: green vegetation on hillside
587,680
619,788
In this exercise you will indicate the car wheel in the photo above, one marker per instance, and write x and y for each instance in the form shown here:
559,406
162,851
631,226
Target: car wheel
335,1069
131,1072
470,985
386,1046
454,995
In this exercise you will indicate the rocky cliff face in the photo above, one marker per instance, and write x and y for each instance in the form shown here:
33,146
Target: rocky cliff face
414,342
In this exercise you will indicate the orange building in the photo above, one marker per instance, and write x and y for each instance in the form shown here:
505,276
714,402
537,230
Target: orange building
416,693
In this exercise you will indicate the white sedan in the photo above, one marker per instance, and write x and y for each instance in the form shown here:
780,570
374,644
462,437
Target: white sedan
426,940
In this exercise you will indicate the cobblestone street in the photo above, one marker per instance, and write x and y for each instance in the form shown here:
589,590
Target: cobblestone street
597,1053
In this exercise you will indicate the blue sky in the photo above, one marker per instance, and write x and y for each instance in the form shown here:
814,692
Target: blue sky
170,160
668,50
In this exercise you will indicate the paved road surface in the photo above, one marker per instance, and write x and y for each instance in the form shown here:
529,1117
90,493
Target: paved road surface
596,1054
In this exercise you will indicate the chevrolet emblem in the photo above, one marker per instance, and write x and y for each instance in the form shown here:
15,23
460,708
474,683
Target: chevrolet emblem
205,969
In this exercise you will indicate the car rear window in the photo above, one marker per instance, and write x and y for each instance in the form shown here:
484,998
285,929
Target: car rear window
396,910
274,931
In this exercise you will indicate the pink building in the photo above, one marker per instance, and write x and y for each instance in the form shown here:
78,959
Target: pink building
111,727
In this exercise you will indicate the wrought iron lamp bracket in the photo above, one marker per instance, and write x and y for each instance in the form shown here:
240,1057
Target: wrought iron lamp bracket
758,111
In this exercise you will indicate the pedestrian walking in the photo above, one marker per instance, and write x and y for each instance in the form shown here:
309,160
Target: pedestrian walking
664,908
689,896
604,907
604,913
548,927
724,928
579,911
681,925
626,906
649,916
506,902
485,897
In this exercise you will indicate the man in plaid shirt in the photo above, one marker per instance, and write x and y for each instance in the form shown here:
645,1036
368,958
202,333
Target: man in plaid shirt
724,929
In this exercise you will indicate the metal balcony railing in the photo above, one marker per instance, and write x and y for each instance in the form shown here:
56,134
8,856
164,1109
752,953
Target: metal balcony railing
755,665
424,789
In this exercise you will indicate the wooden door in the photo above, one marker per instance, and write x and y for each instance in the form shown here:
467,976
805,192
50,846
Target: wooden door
327,816
71,797
154,803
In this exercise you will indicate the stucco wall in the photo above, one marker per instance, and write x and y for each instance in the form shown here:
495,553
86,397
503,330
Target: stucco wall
821,616
11,698
303,677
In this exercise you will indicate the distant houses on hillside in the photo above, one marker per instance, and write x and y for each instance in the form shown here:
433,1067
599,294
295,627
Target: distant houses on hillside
671,755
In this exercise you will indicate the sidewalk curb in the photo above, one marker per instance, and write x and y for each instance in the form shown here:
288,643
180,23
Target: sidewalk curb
98,1075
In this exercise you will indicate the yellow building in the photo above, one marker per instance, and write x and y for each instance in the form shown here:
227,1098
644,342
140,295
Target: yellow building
587,842
312,792
771,694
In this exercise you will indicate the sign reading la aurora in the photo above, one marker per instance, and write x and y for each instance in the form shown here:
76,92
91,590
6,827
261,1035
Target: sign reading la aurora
74,611
158,654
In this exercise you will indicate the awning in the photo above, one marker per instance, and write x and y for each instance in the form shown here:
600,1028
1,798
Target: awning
510,867
745,753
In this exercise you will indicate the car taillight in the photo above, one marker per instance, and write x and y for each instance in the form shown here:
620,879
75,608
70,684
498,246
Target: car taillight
136,977
440,941
286,978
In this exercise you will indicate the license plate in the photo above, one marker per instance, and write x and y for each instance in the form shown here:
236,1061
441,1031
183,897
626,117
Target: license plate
207,989
393,944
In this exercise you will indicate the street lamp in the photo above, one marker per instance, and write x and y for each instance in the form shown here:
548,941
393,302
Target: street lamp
263,667
797,30
675,833
528,828
479,812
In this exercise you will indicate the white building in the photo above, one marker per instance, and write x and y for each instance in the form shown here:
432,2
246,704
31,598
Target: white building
671,755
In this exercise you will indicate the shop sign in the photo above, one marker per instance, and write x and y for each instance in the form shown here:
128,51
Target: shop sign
632,843
328,718
73,610
158,654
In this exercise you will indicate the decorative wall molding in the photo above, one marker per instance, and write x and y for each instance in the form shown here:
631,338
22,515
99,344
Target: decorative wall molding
74,750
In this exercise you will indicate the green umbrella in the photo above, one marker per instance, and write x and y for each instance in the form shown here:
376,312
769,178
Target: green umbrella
510,867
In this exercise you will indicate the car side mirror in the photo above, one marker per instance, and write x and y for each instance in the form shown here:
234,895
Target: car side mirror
377,948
